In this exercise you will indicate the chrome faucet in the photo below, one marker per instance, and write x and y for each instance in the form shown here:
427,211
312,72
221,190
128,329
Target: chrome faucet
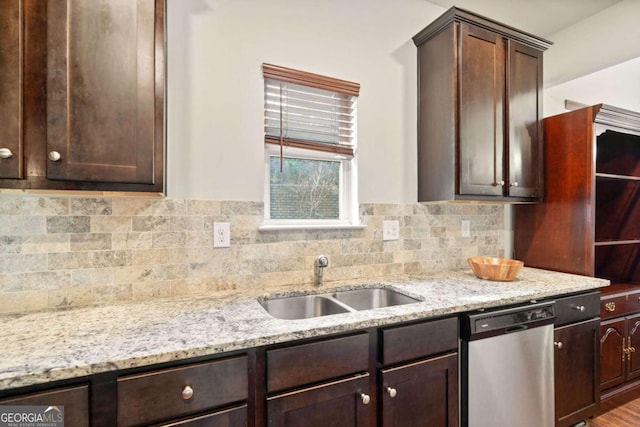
319,265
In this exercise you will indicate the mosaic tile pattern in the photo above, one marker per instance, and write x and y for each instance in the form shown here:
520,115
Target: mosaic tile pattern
60,252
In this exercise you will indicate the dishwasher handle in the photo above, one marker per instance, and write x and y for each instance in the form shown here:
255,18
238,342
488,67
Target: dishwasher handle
515,328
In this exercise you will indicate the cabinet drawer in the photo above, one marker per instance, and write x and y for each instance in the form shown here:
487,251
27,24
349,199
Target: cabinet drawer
419,340
317,361
621,305
74,399
236,417
159,395
577,308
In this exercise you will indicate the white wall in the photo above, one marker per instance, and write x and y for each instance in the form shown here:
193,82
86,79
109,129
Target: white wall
618,85
601,41
215,93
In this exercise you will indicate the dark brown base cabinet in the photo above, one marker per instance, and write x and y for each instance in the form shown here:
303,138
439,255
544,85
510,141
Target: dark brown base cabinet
338,403
576,357
423,393
576,367
151,397
395,376
620,334
74,399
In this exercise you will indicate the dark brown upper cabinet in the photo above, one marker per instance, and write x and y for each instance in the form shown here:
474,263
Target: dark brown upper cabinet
11,75
479,110
84,95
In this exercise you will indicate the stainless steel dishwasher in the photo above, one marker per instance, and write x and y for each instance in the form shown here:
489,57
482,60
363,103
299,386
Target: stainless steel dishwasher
507,367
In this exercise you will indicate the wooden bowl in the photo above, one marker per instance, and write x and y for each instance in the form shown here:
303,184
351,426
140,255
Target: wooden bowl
499,269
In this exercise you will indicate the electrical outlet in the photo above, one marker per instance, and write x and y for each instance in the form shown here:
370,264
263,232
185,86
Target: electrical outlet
390,230
221,235
466,228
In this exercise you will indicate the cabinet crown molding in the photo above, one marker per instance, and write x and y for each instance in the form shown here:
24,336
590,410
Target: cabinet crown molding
456,14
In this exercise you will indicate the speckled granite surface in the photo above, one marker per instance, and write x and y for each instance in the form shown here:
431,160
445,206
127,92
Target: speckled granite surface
48,346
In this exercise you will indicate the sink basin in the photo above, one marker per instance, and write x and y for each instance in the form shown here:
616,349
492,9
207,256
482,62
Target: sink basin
369,298
307,306
302,307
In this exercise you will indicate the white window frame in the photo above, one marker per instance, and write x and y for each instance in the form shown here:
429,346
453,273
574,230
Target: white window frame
349,215
349,211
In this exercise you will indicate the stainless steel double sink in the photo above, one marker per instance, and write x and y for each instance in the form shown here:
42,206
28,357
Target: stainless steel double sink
307,306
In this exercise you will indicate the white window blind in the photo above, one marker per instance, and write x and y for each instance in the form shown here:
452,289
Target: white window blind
309,111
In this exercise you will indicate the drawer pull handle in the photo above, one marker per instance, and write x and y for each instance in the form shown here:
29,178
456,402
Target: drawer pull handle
610,307
365,398
54,156
392,392
5,153
579,307
187,392
558,344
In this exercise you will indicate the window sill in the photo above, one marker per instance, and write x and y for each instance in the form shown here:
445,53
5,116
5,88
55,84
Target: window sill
278,227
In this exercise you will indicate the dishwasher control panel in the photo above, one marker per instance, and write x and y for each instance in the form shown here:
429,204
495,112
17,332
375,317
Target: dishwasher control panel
506,320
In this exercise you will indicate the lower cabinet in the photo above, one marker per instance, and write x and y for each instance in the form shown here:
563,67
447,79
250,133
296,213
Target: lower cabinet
75,401
168,394
620,337
225,418
576,366
620,361
338,403
419,379
395,376
321,382
423,393
577,358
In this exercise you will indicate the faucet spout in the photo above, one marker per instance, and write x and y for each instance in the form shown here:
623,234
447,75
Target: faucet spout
319,265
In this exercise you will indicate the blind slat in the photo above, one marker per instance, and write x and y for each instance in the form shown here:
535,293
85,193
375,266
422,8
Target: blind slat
310,118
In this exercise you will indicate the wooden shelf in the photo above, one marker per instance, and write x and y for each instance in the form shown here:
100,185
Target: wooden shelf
619,177
617,242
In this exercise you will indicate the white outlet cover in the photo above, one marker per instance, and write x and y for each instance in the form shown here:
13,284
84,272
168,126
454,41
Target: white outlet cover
221,235
466,228
390,230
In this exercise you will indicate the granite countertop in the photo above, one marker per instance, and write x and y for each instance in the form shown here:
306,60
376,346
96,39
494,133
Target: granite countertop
48,346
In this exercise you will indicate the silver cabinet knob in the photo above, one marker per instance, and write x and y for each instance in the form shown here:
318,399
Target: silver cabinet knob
54,156
187,392
392,392
558,344
499,183
514,184
5,153
579,307
365,398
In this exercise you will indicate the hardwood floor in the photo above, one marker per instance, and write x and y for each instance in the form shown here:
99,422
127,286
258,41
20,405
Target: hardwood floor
619,411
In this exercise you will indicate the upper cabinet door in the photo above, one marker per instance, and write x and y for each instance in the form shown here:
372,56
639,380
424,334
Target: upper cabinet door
11,56
481,74
105,91
525,121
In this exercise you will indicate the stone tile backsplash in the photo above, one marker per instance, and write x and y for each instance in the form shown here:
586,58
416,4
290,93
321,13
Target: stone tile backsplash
58,251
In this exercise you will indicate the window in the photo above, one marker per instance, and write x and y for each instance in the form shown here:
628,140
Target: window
310,149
